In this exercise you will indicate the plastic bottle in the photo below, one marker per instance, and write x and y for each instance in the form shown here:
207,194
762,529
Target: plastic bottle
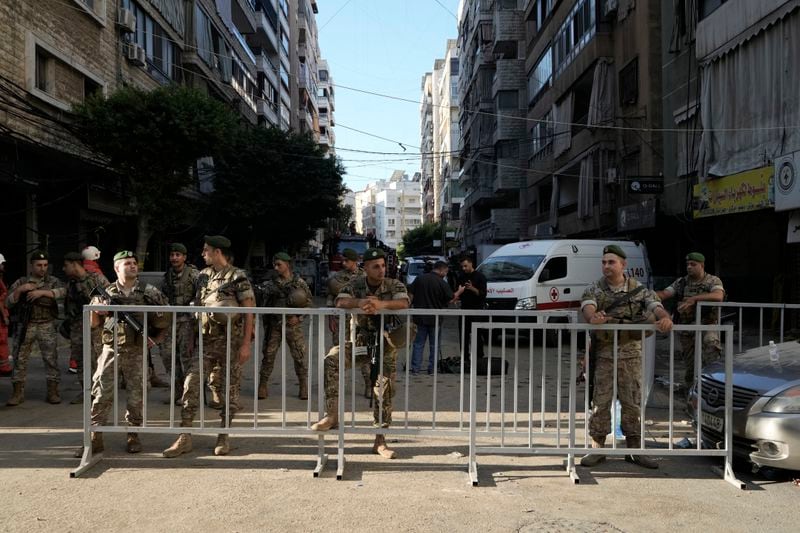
618,428
774,355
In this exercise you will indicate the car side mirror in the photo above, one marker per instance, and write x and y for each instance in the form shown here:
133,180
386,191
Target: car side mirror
545,275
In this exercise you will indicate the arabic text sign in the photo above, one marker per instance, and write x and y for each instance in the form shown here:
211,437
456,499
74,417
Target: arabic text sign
738,193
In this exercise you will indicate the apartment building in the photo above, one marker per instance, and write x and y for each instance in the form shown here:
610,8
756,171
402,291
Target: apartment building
730,97
56,53
426,144
387,209
492,122
326,100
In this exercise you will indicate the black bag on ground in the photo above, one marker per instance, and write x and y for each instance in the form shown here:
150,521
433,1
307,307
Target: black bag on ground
483,366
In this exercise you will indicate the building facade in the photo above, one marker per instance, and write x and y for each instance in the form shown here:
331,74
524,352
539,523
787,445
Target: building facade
387,209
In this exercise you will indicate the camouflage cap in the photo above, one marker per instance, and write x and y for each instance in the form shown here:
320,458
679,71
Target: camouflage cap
373,253
178,247
124,254
217,241
282,256
350,254
616,250
39,255
696,256
74,257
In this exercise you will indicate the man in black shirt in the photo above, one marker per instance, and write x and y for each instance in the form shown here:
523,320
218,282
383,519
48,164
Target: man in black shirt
429,291
473,296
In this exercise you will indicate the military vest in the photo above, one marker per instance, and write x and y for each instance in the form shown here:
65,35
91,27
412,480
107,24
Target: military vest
139,295
685,287
222,289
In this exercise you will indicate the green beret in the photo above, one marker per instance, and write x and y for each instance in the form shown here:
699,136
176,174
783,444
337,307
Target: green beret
373,253
282,256
217,241
696,256
39,255
73,256
177,247
124,254
614,249
350,254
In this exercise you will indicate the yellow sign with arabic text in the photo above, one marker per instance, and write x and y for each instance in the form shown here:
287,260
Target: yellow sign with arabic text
747,191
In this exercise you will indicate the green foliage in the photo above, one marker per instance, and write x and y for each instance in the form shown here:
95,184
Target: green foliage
152,138
278,185
419,241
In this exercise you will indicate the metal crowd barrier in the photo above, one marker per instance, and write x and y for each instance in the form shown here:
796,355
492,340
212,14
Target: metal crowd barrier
253,426
437,425
550,440
740,308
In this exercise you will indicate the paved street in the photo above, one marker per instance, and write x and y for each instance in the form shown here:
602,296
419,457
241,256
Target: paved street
266,483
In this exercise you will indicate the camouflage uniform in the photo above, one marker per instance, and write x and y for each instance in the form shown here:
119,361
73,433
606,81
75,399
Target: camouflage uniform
629,356
366,326
79,293
180,289
41,327
130,351
712,350
278,291
335,283
227,288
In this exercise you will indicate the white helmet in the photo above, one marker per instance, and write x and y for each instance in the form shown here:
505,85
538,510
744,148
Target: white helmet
2,259
91,253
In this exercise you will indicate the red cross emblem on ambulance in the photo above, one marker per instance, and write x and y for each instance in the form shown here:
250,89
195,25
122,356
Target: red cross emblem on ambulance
554,294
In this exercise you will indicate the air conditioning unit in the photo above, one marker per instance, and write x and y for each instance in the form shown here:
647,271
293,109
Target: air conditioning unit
136,54
611,176
127,21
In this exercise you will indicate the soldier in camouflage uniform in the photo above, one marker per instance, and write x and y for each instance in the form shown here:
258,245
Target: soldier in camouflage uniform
179,286
371,294
617,298
38,292
219,285
80,287
336,282
278,292
696,286
126,290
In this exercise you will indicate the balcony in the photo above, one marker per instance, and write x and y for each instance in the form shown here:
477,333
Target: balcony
323,120
508,28
478,195
266,34
268,112
510,175
506,223
243,14
324,140
509,75
510,125
264,64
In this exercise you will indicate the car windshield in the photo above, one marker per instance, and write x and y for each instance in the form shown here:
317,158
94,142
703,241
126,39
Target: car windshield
359,246
510,268
415,269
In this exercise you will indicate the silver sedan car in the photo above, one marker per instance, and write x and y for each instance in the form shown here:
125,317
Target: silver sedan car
766,405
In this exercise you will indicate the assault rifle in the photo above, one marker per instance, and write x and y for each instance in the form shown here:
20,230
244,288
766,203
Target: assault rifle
124,315
23,308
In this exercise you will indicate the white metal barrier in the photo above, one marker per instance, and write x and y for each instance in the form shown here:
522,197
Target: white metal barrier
552,441
316,347
740,308
453,424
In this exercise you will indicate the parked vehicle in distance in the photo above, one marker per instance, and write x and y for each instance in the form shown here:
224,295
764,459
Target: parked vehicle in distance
766,405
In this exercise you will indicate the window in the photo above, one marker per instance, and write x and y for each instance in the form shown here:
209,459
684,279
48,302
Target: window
163,55
454,66
539,78
44,70
285,42
540,12
323,75
555,268
56,78
629,83
542,134
390,222
574,33
507,99
709,6
95,8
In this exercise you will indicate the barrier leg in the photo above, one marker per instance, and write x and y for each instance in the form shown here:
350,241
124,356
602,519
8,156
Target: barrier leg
88,459
473,377
322,457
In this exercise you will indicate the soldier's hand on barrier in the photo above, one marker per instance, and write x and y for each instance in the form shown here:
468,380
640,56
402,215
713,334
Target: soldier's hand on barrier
664,325
371,305
599,318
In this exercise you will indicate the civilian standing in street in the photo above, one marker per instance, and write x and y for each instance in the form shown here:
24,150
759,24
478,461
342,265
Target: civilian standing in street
472,285
429,291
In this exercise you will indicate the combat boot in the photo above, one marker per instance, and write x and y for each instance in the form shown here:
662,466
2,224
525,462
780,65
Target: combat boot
97,445
223,446
262,390
180,446
18,396
594,459
134,445
381,448
330,421
641,460
303,389
52,392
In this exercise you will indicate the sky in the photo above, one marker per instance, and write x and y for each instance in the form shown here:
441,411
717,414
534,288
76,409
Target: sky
381,46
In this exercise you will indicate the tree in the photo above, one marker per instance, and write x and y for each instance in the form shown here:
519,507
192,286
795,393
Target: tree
277,186
419,241
153,139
